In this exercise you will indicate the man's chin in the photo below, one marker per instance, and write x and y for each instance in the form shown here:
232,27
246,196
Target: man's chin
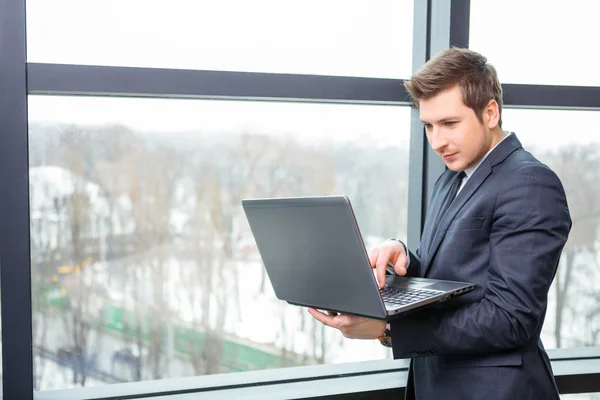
454,166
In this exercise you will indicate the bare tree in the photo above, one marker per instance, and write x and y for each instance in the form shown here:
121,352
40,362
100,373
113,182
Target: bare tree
132,315
210,251
151,198
45,238
77,320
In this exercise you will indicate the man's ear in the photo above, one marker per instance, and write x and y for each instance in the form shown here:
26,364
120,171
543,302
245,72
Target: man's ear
491,114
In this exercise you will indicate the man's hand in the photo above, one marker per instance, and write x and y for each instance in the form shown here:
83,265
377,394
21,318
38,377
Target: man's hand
392,252
351,326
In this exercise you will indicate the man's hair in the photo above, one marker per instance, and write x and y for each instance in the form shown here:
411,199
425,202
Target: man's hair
476,78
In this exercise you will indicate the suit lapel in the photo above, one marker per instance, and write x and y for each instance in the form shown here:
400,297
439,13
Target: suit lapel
435,235
480,175
429,229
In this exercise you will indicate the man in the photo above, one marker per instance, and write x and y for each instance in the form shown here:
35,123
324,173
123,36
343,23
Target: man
504,232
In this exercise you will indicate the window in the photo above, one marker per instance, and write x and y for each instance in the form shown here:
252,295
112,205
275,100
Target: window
534,43
143,264
569,143
336,37
587,396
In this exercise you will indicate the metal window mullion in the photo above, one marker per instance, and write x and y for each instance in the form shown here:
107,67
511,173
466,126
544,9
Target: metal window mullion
65,79
15,270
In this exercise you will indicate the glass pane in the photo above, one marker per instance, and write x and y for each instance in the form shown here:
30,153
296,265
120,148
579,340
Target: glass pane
569,143
537,43
334,37
143,264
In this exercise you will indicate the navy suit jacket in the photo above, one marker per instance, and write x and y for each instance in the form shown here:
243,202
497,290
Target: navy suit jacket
504,232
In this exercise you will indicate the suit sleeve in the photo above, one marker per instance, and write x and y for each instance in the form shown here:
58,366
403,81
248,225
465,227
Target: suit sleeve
529,229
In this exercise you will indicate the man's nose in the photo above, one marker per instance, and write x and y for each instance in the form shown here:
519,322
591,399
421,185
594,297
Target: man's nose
437,140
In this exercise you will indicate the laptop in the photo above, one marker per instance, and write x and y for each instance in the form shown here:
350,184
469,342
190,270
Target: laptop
314,256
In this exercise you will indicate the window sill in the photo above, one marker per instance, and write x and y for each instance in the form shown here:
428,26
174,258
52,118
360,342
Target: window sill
576,371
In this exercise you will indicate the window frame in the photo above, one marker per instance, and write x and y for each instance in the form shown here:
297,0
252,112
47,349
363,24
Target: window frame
437,25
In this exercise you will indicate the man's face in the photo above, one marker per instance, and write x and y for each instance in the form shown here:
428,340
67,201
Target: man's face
453,130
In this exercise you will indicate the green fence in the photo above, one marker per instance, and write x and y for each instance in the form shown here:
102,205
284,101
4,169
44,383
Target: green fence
234,355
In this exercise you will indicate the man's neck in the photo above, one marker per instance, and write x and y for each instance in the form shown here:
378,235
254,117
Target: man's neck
497,139
497,136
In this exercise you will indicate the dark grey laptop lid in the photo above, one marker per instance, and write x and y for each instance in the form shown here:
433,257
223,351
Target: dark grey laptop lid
314,254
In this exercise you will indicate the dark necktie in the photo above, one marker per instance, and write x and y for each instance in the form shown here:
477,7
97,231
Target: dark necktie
450,195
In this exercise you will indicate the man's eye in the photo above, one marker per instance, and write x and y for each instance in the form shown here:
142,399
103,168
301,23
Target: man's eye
427,126
450,123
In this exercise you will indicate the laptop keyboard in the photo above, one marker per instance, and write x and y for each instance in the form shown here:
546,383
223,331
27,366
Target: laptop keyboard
405,296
